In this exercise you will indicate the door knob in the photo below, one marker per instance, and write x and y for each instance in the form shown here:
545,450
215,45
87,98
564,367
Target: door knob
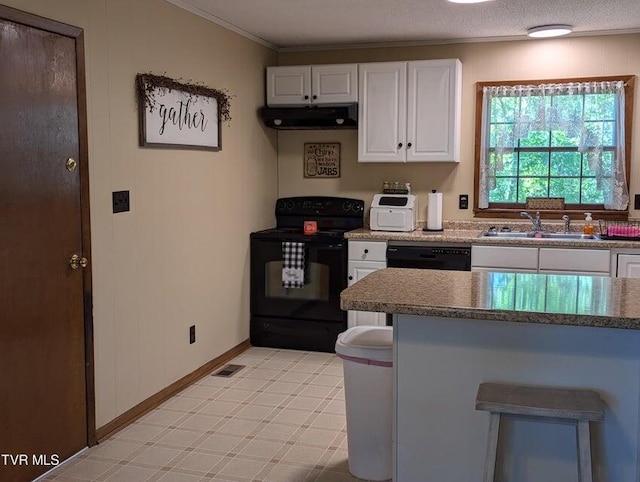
77,261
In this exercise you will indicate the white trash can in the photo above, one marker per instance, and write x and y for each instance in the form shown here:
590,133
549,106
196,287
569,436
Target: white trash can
367,356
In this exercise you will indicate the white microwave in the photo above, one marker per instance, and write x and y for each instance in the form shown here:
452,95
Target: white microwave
394,212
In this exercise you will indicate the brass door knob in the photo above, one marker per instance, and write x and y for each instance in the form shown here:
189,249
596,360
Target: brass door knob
77,261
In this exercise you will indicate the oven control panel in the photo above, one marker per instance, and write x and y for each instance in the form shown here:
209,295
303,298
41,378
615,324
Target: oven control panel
319,206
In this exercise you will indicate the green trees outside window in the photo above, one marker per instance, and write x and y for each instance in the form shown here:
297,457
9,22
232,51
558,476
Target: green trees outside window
549,162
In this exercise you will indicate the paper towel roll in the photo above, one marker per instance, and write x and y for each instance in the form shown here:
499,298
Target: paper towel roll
434,211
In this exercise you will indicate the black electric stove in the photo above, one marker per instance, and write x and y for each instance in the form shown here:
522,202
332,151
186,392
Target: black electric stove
308,317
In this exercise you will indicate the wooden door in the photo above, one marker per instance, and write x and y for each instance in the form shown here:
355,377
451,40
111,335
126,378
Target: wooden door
45,305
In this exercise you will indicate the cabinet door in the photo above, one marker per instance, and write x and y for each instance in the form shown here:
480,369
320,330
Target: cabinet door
508,257
574,273
433,107
366,318
357,271
334,84
289,85
382,104
503,270
580,260
367,251
628,266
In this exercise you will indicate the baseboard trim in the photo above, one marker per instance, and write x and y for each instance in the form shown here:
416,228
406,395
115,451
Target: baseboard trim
153,401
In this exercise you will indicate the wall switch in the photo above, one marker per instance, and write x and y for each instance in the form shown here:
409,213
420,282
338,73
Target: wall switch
463,202
120,201
192,334
636,201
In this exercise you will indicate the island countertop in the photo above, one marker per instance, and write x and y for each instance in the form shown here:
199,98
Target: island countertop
512,297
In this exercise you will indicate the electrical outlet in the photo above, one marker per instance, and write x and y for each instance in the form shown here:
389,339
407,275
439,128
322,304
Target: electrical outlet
120,201
463,201
192,334
636,201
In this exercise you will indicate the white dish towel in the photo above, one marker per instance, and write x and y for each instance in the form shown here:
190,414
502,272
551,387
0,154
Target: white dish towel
292,264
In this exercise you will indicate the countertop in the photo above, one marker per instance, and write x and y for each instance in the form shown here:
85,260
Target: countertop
468,232
512,297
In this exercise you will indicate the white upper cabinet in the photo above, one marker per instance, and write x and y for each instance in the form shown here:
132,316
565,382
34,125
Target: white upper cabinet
382,111
298,85
409,111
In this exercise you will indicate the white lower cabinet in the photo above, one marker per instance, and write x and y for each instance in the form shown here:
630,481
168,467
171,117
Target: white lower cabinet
503,270
580,261
573,261
504,258
628,266
365,257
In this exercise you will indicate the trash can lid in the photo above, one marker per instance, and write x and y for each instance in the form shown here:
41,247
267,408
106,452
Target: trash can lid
367,342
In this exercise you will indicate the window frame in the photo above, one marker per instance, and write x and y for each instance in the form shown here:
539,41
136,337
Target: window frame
512,210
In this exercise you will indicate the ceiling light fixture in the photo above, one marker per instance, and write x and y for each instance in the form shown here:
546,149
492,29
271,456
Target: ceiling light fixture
468,1
544,31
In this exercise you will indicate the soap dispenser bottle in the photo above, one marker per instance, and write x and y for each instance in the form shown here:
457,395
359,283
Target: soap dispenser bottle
588,224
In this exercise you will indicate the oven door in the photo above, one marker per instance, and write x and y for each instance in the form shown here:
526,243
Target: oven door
318,299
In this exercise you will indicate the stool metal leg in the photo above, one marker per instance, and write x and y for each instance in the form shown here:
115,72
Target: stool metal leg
584,452
492,447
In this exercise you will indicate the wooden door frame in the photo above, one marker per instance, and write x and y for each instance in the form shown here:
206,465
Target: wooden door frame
77,34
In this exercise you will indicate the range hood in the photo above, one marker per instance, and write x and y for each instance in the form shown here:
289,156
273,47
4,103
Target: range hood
316,117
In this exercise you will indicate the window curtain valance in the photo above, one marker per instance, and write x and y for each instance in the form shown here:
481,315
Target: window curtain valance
536,110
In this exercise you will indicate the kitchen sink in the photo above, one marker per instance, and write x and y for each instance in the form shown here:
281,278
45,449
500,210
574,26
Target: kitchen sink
507,234
540,235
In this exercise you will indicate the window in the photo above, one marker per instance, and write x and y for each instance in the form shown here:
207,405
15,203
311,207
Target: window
565,139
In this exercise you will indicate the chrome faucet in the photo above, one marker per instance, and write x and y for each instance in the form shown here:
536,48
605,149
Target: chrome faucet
567,223
537,226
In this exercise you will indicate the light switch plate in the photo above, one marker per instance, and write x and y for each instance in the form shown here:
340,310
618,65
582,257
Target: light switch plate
120,201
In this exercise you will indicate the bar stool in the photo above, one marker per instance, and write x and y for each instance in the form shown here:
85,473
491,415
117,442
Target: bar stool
547,404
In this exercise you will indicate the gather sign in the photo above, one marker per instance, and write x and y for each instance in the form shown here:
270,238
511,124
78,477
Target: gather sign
175,118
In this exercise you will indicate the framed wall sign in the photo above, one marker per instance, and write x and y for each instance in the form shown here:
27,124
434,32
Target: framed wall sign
322,160
177,115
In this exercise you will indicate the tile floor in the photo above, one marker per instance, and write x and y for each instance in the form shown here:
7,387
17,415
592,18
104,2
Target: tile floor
280,419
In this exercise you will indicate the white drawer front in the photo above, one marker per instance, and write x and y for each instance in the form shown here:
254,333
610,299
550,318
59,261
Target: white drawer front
368,250
504,257
574,259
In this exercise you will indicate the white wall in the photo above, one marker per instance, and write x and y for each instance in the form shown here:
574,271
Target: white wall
515,60
180,257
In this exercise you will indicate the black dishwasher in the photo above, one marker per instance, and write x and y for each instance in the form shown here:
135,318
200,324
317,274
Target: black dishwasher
429,256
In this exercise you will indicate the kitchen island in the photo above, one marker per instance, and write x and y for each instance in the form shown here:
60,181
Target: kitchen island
454,330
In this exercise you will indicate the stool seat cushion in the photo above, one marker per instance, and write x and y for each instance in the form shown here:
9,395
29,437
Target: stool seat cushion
577,404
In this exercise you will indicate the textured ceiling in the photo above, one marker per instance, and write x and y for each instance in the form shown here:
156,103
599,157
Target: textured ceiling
312,23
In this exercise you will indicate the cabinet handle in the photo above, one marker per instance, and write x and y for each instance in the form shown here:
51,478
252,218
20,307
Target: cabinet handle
408,145
350,278
366,251
400,145
315,96
306,97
